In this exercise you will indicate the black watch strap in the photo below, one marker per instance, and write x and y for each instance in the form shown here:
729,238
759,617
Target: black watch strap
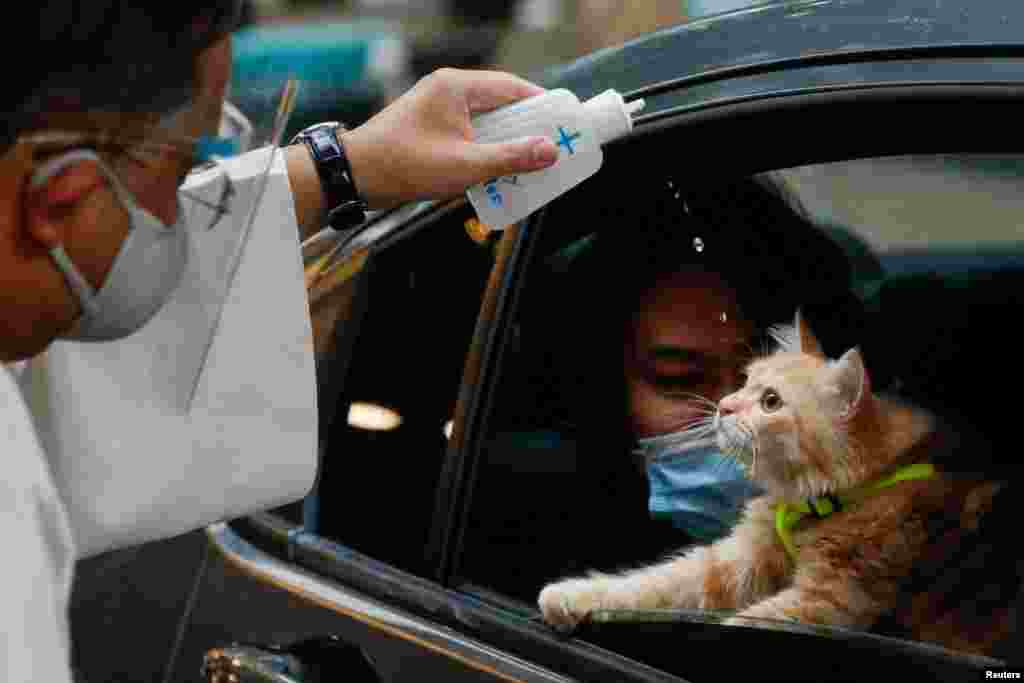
347,209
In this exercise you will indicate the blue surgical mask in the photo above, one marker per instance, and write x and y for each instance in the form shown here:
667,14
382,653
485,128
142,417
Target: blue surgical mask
693,485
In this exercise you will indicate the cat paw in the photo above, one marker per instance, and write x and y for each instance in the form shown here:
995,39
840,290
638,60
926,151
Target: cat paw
755,616
567,603
736,621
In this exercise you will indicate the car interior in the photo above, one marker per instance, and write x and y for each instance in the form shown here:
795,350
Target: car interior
397,355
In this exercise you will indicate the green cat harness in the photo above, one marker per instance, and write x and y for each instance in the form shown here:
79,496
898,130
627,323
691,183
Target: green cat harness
788,514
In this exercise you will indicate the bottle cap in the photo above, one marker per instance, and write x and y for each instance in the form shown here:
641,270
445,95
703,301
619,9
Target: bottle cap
611,116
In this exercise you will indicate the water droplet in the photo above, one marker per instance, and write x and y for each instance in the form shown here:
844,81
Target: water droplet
698,244
725,317
678,194
671,185
686,208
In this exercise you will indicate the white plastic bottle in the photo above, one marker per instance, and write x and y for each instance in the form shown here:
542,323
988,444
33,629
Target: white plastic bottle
579,130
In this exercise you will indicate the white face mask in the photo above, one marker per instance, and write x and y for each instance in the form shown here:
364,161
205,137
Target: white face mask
145,273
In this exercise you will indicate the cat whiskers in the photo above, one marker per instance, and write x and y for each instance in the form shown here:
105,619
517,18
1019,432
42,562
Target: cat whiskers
701,403
731,452
704,425
700,428
736,451
753,447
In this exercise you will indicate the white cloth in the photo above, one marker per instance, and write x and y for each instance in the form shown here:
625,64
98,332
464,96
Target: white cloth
39,554
134,455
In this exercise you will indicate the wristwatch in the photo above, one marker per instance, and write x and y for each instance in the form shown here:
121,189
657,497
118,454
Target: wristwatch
347,209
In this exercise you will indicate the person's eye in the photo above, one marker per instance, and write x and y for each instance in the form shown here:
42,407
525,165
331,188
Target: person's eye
671,384
771,401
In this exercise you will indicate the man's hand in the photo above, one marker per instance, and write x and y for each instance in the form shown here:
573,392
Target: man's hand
421,146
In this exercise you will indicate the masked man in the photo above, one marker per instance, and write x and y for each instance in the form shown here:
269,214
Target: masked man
178,310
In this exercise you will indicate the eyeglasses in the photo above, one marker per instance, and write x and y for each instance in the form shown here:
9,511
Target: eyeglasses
208,193
210,204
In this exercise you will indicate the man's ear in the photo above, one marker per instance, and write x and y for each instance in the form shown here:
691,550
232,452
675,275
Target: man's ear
56,194
808,342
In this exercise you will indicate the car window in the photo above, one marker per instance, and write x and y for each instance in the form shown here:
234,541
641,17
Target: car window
402,308
914,260
903,203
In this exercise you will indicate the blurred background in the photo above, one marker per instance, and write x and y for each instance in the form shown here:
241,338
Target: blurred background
354,56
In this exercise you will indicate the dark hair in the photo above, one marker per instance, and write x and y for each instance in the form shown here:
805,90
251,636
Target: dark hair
750,231
108,55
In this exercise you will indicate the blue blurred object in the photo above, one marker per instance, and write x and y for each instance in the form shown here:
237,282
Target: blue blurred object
346,70
331,54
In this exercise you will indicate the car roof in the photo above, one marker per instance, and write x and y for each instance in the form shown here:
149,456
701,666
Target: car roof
791,30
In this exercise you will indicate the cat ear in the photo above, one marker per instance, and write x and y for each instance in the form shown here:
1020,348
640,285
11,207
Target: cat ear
852,382
808,343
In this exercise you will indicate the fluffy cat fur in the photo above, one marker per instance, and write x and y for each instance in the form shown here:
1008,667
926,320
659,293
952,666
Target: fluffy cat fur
828,434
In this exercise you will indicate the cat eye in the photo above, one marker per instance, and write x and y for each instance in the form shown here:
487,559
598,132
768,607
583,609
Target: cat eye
771,401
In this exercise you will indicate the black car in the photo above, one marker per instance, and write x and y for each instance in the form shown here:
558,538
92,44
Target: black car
892,124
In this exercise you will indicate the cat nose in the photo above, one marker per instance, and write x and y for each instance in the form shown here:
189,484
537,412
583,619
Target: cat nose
728,405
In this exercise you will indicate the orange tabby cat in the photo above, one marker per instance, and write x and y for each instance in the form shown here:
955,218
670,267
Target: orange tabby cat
851,505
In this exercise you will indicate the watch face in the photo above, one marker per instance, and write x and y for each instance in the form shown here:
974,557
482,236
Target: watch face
316,130
320,137
324,127
326,145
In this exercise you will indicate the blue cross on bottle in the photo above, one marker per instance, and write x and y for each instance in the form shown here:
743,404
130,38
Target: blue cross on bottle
565,139
493,193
